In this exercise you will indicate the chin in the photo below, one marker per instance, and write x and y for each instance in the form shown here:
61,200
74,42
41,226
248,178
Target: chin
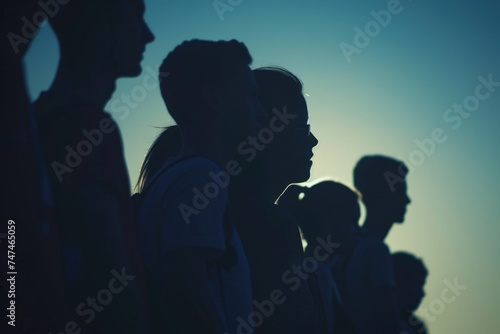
295,178
130,71
413,307
303,177
400,218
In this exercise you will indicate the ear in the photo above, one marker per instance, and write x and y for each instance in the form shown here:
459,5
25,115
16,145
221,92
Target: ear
211,97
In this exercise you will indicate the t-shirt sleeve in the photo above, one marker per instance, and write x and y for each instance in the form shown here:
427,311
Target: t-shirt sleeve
194,208
381,267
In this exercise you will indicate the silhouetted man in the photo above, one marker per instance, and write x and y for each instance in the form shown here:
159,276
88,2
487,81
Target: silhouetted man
370,285
279,155
382,183
25,199
100,41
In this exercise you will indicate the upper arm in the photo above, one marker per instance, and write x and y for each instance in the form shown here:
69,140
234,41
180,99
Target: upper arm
191,216
382,290
381,267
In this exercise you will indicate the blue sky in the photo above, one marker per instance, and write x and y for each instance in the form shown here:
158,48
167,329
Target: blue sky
395,91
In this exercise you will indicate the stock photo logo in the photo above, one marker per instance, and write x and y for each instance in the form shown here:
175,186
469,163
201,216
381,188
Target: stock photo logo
223,6
363,37
292,279
121,108
48,8
89,308
454,118
248,149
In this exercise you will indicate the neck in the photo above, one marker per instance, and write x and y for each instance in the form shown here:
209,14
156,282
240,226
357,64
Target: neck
207,142
82,84
269,193
377,224
254,182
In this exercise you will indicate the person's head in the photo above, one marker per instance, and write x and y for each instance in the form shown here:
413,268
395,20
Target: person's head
106,35
12,23
209,84
381,182
167,145
286,135
410,274
326,208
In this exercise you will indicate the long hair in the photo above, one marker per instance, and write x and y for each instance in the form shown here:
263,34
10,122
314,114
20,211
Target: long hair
166,145
278,87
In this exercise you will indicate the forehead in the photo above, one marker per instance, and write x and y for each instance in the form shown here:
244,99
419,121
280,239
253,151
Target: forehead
302,111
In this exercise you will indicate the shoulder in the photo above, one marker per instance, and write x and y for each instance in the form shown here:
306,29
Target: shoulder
199,171
72,115
373,245
193,181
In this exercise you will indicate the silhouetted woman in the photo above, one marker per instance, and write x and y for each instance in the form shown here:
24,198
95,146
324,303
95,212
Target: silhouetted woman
278,155
328,212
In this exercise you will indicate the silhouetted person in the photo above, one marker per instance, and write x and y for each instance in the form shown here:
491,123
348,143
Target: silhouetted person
381,182
193,256
371,288
25,198
279,155
327,208
100,41
328,211
411,274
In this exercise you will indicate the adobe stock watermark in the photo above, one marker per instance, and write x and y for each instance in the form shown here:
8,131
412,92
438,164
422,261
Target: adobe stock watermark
92,305
74,155
222,6
448,295
248,149
151,79
437,306
293,279
454,118
121,107
372,29
48,8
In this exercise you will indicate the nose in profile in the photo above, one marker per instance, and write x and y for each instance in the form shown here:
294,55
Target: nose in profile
148,34
408,199
313,140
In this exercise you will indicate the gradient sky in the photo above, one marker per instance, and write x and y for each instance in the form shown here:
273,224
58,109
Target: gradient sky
394,92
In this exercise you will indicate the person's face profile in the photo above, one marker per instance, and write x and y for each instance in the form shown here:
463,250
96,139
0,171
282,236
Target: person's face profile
127,38
293,148
392,201
399,202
